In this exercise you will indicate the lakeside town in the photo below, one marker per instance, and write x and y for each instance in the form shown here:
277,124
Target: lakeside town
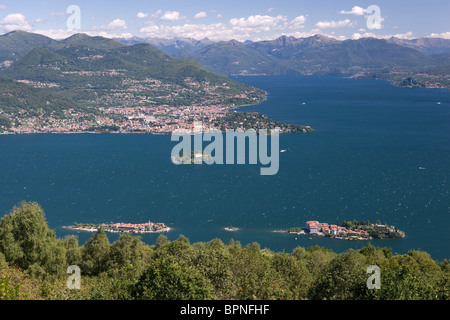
350,230
151,120
139,228
138,106
143,106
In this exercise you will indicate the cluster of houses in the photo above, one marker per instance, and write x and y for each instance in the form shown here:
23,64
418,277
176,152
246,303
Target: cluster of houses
316,227
140,227
148,227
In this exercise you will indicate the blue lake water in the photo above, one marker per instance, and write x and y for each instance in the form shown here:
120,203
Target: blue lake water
379,153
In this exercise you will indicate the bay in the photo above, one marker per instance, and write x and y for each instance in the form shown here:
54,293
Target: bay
379,153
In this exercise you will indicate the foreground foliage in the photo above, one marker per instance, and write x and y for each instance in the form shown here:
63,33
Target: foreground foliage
33,265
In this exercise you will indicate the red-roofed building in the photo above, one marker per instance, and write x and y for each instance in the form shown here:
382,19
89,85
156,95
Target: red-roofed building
312,226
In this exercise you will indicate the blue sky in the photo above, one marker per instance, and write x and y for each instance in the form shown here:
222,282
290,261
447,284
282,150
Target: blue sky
231,19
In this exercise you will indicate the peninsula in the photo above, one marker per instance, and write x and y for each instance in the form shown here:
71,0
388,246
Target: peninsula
89,84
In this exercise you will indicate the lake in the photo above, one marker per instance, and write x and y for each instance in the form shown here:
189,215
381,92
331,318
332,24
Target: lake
379,153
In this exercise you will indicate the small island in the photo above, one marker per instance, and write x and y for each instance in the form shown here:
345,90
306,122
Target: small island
231,229
196,157
350,230
148,227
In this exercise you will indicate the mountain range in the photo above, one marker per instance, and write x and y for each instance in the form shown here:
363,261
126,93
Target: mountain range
313,55
98,72
285,55
84,82
83,68
171,46
370,57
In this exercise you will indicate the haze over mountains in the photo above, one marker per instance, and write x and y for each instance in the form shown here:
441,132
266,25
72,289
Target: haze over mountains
316,54
284,55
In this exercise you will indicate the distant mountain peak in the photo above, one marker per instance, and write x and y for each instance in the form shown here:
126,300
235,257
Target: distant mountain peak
322,38
427,45
234,42
78,36
16,32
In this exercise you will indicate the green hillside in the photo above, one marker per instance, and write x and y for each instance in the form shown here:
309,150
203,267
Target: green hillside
33,265
16,44
104,79
64,65
16,98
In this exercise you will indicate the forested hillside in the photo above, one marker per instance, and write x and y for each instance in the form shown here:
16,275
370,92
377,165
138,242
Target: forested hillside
33,265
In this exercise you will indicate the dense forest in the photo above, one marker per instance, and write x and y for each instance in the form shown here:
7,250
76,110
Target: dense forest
33,264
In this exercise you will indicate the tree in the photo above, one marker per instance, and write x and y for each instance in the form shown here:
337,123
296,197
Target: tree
414,276
253,274
129,252
95,254
73,250
294,273
26,241
317,259
167,279
344,278
214,262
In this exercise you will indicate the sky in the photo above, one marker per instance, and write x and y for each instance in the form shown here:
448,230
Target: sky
231,19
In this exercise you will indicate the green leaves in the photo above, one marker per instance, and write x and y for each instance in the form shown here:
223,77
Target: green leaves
95,254
130,269
168,279
25,240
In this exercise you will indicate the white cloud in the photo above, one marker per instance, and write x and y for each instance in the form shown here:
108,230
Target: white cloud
171,16
59,34
237,28
39,20
257,23
445,35
357,35
408,35
142,15
200,15
156,14
14,21
297,23
219,16
117,24
358,11
334,24
3,6
113,25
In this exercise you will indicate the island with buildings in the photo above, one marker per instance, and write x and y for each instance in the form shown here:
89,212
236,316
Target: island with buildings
148,227
231,228
349,230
